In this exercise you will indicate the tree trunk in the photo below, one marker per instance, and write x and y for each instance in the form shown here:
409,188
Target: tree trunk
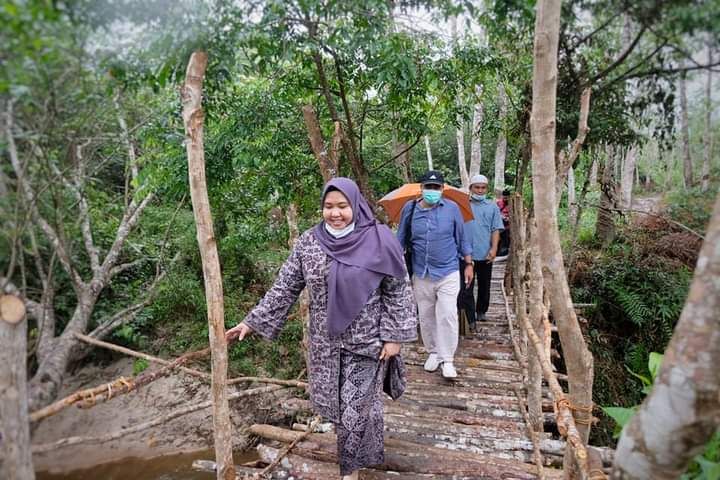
669,165
403,159
626,179
501,147
429,152
327,160
193,117
47,380
685,131
460,130
605,224
681,413
462,165
707,139
577,357
348,144
594,172
16,458
572,200
535,375
476,137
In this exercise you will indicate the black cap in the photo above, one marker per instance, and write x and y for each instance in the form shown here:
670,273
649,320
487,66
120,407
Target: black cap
432,176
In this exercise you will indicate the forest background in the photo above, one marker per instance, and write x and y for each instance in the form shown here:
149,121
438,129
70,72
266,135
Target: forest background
97,229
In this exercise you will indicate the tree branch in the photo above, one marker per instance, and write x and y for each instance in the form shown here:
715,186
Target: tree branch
56,241
619,60
130,219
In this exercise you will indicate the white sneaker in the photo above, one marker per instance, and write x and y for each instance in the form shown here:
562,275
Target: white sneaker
432,363
448,370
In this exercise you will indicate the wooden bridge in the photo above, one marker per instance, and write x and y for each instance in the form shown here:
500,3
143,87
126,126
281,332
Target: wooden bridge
476,427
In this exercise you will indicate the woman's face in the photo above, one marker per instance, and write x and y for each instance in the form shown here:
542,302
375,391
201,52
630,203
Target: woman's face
336,210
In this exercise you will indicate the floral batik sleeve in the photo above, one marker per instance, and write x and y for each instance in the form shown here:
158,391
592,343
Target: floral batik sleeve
399,323
269,316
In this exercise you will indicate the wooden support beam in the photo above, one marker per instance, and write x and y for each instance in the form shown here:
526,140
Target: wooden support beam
15,457
193,117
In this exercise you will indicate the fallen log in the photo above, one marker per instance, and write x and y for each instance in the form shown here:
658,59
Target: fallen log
89,397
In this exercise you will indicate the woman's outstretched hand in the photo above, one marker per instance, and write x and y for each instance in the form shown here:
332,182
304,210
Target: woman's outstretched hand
389,350
238,332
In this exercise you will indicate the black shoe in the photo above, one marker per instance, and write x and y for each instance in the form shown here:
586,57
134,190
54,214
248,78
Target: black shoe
473,327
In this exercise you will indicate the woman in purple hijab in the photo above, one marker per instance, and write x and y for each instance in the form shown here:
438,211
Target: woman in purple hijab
361,310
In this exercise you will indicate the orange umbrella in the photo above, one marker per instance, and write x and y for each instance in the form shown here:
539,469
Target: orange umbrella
394,201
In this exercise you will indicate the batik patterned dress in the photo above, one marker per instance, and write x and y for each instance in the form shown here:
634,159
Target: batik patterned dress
345,376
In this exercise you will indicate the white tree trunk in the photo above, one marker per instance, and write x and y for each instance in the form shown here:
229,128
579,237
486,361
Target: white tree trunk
685,131
501,147
594,172
476,139
707,140
681,413
572,200
627,177
15,456
428,150
460,131
193,117
578,359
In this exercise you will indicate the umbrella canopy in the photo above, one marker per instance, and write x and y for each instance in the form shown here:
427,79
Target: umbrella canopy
394,201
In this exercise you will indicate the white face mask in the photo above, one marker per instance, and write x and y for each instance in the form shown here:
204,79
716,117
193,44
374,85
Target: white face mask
343,232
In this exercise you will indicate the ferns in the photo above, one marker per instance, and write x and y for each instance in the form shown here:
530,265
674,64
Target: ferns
633,304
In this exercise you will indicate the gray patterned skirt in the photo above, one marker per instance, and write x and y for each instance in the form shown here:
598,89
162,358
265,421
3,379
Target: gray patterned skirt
360,440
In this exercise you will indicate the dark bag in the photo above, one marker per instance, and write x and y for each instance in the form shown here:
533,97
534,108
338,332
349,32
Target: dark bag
408,242
395,377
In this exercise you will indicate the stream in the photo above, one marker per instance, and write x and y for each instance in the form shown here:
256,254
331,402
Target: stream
169,467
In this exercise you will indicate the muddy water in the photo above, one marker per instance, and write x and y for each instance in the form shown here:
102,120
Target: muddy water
170,467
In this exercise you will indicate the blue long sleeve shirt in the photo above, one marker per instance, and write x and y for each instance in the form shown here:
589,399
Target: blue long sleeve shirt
438,238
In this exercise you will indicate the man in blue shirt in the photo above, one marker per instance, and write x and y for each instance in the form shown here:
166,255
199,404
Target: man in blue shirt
484,233
433,229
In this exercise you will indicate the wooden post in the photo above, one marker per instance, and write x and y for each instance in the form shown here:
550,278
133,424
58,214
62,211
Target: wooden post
578,359
193,117
536,311
15,455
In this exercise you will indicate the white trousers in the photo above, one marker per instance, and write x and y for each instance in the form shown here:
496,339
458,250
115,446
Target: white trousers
437,309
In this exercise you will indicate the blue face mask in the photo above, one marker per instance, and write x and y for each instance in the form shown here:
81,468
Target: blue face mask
431,196
478,197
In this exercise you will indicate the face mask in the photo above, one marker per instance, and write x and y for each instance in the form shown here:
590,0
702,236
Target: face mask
343,232
431,196
478,197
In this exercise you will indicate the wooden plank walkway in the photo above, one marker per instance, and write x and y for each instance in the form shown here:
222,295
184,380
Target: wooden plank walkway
478,412
470,428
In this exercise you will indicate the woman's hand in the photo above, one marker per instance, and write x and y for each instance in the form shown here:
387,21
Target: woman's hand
238,332
389,349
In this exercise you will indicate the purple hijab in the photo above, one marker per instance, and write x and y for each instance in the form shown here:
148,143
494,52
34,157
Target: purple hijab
360,260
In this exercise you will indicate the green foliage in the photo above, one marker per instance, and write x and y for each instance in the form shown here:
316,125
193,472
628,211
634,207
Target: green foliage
139,366
705,466
621,416
692,207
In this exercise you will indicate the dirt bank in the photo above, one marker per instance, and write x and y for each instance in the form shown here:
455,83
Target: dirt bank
184,434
